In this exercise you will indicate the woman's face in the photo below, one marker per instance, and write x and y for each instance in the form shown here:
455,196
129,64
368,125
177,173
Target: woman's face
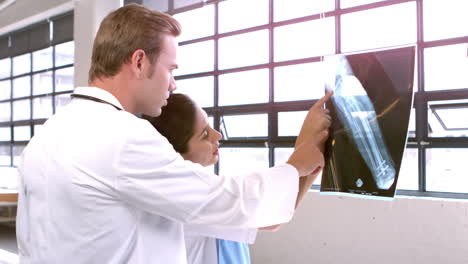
203,145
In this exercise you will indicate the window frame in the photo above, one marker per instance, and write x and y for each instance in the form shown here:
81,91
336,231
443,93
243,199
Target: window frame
63,24
420,141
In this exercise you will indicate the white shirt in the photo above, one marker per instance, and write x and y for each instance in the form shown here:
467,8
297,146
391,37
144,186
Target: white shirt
90,175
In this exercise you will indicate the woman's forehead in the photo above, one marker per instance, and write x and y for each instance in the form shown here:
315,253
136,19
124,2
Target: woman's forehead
202,117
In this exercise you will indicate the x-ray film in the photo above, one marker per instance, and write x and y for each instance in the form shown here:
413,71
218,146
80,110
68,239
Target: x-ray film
370,108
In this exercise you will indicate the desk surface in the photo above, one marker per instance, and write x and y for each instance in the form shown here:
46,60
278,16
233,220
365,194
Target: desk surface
8,196
8,201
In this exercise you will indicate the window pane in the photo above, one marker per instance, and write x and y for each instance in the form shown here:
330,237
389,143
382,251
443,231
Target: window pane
196,23
198,57
22,87
5,112
287,9
446,170
21,110
412,124
42,59
255,125
445,19
290,123
453,118
5,90
17,151
201,90
299,82
22,133
5,68
306,39
243,50
248,87
408,176
350,3
64,79
61,101
211,121
162,6
180,3
42,83
252,159
64,53
282,155
448,118
446,67
5,134
239,14
42,107
5,158
21,64
379,27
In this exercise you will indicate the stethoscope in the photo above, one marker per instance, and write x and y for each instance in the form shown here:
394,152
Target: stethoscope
87,97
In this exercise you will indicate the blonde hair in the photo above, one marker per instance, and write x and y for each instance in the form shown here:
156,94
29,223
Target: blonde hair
126,30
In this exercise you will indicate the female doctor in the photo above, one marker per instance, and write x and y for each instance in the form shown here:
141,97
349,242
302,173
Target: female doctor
186,127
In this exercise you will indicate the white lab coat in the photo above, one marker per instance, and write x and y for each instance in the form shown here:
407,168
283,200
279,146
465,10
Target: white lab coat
201,249
201,241
90,175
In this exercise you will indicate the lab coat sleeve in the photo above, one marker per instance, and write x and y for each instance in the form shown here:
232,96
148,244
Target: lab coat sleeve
153,177
244,235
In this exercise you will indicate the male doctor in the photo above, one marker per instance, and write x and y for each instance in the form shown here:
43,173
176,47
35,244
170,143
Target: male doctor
94,168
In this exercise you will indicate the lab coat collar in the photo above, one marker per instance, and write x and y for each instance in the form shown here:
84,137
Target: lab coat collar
98,93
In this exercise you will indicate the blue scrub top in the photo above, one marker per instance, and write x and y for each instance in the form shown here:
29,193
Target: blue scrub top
231,252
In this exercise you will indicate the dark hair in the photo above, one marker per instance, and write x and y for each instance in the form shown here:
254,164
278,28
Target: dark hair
126,30
177,121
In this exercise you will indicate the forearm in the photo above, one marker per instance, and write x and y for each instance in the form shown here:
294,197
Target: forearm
305,183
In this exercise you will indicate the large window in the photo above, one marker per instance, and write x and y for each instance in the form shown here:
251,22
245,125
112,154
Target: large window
36,78
256,67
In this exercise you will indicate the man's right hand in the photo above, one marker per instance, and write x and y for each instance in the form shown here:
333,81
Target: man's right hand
310,142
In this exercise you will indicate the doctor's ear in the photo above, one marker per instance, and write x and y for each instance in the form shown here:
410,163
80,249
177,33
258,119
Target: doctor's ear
138,62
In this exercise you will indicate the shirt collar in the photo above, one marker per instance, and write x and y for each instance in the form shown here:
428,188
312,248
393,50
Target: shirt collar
98,93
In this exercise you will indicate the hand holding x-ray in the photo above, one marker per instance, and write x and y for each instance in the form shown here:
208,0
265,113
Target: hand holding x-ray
308,151
317,121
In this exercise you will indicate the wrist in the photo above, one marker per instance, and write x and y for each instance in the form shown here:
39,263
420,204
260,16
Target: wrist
296,166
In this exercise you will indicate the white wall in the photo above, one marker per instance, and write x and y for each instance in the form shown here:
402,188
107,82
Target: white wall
88,16
336,229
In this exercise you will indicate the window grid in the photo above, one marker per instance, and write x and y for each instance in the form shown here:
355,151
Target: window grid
14,145
421,141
